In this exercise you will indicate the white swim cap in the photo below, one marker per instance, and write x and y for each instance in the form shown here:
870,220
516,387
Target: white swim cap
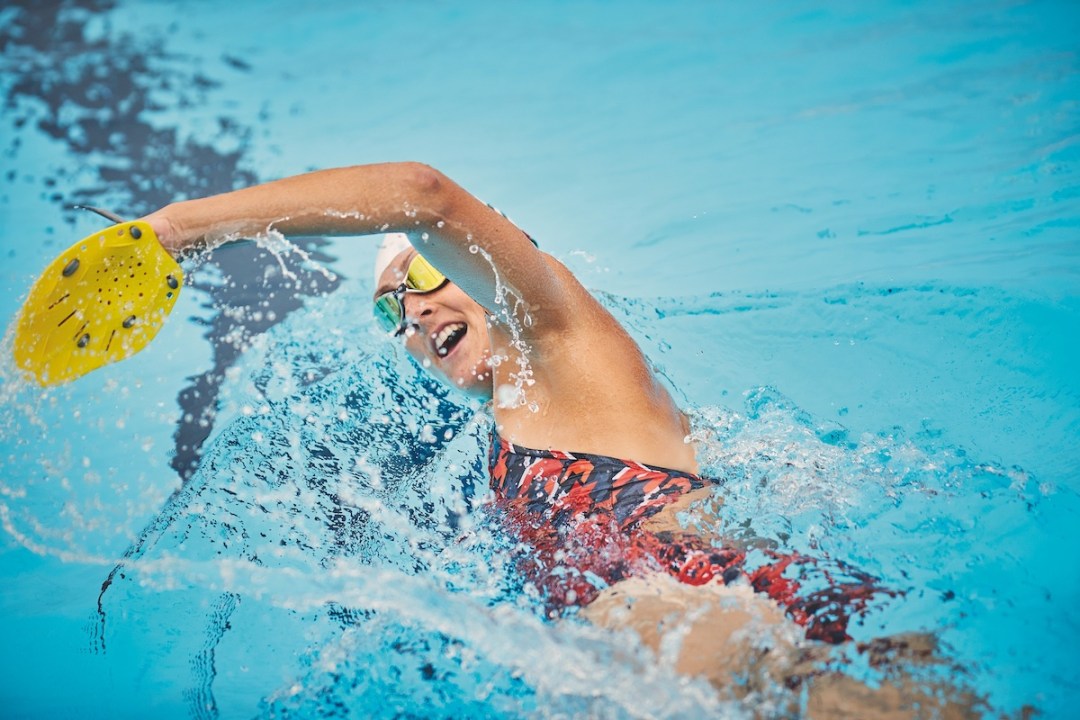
392,246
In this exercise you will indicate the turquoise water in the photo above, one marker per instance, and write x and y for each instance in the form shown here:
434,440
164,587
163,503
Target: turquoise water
848,237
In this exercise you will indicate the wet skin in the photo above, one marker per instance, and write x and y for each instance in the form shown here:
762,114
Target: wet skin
581,395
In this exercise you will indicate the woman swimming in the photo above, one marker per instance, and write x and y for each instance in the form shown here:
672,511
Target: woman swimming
591,457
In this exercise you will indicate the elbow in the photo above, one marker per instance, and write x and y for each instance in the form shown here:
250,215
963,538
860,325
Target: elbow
427,188
422,178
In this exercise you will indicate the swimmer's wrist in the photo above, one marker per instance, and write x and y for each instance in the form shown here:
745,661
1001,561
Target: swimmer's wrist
169,231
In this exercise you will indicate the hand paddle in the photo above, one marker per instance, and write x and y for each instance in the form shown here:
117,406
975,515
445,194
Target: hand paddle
102,300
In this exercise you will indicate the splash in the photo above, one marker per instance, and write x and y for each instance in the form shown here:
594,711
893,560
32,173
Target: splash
513,315
339,516
344,488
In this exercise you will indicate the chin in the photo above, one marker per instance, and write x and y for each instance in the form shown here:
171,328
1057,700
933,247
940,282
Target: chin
477,390
475,381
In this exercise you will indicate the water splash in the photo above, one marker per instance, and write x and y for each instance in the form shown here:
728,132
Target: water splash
339,517
512,314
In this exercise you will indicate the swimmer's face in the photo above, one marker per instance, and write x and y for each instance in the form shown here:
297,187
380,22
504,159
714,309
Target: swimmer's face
447,331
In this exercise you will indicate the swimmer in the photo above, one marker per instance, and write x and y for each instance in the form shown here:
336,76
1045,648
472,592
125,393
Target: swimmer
591,457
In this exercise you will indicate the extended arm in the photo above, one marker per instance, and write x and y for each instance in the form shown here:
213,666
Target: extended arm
453,229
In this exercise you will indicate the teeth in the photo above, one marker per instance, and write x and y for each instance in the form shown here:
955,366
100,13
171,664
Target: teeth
445,334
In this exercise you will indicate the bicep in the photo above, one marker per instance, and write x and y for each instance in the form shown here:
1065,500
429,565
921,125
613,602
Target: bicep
487,256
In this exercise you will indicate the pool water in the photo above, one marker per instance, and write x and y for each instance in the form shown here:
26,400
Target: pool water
847,236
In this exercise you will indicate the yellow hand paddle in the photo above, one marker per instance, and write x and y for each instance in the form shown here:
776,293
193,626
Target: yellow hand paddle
102,300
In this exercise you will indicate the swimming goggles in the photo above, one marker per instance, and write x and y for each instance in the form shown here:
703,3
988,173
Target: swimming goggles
420,277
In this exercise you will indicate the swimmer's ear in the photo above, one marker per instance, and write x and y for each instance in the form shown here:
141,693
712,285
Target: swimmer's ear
101,300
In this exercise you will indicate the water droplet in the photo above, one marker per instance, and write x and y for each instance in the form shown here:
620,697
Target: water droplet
506,396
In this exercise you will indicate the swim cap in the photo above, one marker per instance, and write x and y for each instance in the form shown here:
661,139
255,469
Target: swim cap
392,246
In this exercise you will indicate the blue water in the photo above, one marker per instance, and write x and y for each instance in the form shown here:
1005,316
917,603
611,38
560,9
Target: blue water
848,236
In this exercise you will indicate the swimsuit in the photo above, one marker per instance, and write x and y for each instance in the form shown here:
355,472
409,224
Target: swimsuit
580,514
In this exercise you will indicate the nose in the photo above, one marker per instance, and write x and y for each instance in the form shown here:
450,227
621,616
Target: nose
416,306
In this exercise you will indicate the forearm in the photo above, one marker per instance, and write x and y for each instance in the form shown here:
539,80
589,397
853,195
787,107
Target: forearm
449,225
358,200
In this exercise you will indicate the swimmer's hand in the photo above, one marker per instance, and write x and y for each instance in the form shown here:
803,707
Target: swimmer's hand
175,239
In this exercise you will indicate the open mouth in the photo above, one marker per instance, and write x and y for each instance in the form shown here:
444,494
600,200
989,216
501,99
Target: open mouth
448,338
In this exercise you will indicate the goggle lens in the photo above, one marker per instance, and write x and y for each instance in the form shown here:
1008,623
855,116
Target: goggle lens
388,311
421,277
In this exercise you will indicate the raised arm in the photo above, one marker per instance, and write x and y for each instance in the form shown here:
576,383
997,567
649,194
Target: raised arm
476,247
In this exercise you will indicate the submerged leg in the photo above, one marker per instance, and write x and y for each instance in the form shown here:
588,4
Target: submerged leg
737,640
744,645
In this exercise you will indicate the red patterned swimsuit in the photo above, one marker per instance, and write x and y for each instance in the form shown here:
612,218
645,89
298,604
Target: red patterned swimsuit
581,515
